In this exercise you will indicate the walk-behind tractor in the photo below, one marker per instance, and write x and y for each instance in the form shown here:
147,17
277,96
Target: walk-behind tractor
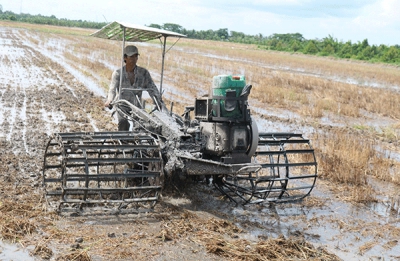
216,140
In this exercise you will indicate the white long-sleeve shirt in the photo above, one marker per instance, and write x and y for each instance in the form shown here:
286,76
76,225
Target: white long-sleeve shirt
143,80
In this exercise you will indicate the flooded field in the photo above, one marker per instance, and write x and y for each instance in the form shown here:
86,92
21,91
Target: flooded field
55,80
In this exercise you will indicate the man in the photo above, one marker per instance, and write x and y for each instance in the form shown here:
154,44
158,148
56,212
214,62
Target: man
133,77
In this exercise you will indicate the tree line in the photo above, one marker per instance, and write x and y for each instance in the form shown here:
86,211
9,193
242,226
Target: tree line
291,42
49,20
295,42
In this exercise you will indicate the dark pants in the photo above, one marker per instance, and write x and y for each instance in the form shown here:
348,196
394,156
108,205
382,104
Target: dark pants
123,124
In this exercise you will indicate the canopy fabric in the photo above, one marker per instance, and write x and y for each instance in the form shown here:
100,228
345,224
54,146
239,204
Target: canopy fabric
133,33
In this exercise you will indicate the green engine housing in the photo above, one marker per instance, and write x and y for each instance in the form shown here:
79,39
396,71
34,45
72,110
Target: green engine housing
225,90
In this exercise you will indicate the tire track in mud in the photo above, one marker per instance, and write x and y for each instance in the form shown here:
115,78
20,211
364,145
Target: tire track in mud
14,99
75,82
40,97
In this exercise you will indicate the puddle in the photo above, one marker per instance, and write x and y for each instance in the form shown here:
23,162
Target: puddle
389,154
10,252
388,204
388,208
265,125
342,228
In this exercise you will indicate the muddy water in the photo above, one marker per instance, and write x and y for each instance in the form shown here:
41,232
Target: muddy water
352,232
42,93
10,252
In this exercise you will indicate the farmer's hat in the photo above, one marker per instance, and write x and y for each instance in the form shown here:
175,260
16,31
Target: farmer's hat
131,50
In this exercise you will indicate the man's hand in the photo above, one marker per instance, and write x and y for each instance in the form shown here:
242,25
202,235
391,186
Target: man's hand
108,105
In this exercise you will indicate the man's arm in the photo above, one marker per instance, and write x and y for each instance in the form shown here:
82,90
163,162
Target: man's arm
113,88
152,88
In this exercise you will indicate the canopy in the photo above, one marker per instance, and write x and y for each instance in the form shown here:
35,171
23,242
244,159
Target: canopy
136,33
133,33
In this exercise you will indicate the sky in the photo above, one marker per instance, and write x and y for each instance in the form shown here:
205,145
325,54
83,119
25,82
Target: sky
346,20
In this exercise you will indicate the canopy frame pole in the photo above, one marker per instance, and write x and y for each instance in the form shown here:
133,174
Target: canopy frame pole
162,64
164,52
122,60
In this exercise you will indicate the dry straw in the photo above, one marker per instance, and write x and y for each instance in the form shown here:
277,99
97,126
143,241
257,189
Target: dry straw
222,238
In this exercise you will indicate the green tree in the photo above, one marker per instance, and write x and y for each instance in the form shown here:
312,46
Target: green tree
346,51
172,27
288,37
280,46
223,33
381,49
311,48
273,43
331,42
327,50
295,46
391,55
236,36
366,54
155,26
259,37
364,44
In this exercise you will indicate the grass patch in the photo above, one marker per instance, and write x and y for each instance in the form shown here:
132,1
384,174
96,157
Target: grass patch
349,159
